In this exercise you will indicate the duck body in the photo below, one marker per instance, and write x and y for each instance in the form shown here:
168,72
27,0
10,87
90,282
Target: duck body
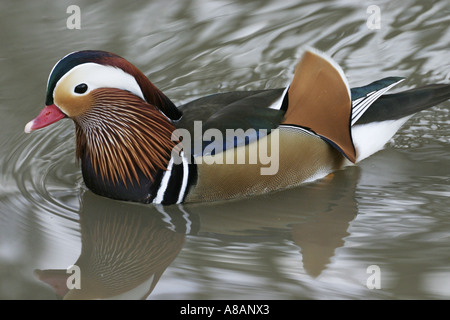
135,145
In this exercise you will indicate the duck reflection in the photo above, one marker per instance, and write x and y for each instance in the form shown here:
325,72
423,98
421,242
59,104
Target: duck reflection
127,247
316,217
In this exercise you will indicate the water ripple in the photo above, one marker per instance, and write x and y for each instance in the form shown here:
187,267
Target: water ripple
41,169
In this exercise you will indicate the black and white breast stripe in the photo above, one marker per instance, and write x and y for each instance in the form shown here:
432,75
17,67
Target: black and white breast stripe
175,181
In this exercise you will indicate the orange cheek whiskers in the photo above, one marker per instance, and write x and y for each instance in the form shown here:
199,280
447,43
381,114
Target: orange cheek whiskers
122,134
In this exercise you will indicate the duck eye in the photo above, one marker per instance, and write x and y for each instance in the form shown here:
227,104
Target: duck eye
81,88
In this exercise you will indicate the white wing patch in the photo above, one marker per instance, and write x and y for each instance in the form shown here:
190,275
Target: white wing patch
279,102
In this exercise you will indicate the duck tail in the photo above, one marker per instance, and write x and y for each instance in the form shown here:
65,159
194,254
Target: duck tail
378,124
403,104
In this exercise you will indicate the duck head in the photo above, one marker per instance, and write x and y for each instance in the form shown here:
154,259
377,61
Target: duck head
123,122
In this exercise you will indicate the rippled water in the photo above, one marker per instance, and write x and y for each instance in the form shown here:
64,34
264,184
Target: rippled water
313,242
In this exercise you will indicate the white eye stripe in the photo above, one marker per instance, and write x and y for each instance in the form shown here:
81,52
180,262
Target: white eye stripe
100,76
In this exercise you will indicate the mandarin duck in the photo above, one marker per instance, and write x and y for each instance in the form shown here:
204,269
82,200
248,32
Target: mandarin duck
134,144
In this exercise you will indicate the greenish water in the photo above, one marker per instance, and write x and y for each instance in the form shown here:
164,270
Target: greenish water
312,242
